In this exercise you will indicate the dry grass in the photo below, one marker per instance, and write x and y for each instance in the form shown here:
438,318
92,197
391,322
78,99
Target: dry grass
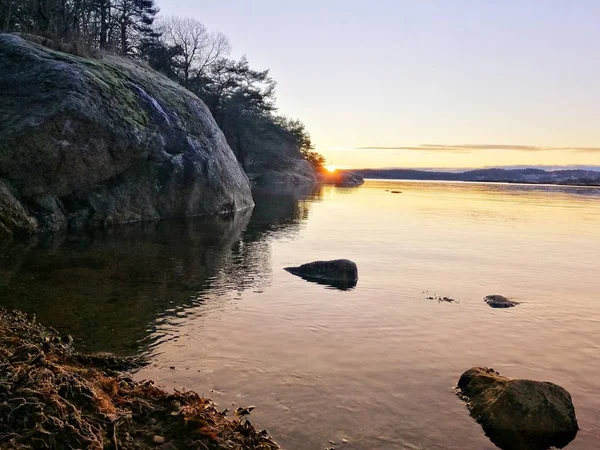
75,46
54,397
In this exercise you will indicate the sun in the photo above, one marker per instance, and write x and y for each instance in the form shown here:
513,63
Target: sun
331,168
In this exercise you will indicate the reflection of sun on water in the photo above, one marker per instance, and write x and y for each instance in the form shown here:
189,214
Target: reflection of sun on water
331,168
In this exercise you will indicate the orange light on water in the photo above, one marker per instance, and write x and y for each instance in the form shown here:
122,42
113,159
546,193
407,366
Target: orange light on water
331,168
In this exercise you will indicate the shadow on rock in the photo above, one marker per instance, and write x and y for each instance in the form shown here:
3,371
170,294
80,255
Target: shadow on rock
107,288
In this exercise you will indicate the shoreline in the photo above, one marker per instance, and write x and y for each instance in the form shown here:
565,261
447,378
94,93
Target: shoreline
524,183
53,396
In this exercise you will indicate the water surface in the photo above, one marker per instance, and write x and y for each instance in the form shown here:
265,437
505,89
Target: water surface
375,365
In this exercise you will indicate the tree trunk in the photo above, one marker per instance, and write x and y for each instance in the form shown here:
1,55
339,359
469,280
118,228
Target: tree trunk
103,22
123,39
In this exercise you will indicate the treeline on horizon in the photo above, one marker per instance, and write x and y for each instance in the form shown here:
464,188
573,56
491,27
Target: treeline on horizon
241,99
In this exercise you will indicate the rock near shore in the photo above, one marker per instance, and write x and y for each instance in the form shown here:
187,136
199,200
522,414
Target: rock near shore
88,142
519,414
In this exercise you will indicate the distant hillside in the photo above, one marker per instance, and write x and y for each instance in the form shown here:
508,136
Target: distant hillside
575,177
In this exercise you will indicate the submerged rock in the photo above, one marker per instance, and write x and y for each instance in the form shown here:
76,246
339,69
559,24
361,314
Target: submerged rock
339,273
499,301
442,299
105,141
519,414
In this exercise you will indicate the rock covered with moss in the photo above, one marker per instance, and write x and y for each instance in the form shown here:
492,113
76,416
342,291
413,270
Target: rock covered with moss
104,141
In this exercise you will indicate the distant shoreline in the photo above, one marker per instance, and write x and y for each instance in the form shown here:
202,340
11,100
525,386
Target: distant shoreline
566,177
484,182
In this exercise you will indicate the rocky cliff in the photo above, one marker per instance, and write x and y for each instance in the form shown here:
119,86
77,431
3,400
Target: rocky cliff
88,142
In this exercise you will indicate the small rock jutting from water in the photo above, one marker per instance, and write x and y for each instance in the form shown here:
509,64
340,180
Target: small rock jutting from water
396,192
499,301
338,273
519,414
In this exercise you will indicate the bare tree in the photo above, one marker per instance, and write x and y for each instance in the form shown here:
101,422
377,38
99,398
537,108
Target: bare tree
200,48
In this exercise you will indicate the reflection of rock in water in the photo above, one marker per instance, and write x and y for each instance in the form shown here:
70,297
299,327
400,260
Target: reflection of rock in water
340,285
282,209
278,211
109,288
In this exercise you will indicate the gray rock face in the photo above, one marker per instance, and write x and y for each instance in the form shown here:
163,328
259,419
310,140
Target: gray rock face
298,172
95,142
519,414
339,273
499,301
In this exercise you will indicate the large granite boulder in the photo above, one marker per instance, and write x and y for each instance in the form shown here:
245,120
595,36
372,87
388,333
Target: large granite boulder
519,414
87,142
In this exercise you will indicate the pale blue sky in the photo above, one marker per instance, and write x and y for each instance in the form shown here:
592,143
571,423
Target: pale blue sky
404,73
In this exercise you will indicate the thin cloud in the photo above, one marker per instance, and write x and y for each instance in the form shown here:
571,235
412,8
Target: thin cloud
484,147
587,149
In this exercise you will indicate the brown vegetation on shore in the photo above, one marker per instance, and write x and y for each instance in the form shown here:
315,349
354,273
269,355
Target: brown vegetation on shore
54,397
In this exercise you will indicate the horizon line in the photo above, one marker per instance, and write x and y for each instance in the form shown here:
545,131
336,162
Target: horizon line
548,168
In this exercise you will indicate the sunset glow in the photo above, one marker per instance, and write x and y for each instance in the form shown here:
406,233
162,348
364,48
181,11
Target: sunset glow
528,79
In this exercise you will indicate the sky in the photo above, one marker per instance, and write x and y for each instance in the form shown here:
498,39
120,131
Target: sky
435,84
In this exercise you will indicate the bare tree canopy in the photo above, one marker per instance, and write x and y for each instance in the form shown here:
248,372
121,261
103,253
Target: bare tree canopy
120,25
199,47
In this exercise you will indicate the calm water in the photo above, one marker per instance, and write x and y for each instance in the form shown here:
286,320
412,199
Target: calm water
375,365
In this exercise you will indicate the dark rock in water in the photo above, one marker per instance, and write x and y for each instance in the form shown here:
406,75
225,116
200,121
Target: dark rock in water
519,414
341,178
396,192
499,301
88,142
339,273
